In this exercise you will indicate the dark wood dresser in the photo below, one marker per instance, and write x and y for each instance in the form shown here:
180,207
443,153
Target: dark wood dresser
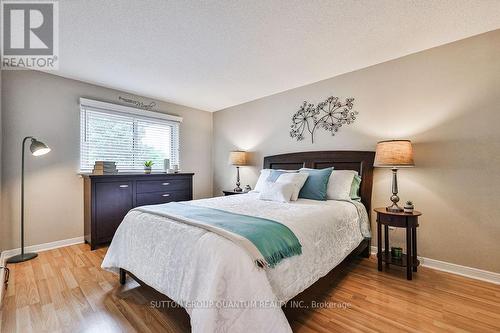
108,198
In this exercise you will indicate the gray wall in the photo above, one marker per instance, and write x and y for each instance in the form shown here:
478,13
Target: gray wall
446,100
46,106
1,139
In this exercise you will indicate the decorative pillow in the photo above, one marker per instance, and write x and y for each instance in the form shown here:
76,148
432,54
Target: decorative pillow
297,179
274,174
356,184
265,174
316,184
261,182
340,183
280,192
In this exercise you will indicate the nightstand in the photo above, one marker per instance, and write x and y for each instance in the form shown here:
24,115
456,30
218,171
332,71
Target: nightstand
232,192
409,221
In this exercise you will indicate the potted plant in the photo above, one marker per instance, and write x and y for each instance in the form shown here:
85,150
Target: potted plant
408,208
147,166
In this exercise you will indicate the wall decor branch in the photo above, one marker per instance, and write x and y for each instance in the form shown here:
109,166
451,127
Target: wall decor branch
138,104
329,115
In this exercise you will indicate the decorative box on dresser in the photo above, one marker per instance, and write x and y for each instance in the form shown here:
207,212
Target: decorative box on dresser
108,198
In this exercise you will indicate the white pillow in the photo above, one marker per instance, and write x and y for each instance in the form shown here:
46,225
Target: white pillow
264,174
280,192
297,179
261,182
339,184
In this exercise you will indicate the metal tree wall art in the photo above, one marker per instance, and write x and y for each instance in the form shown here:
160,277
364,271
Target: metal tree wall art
329,115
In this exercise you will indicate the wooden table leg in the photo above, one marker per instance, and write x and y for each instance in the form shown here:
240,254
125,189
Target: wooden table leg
409,257
414,247
386,240
379,246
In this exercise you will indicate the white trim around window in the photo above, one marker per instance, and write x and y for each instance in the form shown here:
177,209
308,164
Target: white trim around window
127,136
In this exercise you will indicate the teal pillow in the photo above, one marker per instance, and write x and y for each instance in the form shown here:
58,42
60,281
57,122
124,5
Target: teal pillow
274,174
316,184
356,184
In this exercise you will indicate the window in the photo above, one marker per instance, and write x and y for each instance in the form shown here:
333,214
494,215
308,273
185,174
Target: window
127,136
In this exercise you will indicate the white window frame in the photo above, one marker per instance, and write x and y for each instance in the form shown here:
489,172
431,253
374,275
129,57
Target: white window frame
127,110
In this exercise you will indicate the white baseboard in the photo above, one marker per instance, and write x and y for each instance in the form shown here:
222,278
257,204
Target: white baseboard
470,272
44,246
33,248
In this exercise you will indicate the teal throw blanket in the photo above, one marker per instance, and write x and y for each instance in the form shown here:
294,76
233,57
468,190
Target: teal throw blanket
273,240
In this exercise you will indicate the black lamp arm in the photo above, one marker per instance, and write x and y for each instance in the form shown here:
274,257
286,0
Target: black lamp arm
22,192
23,256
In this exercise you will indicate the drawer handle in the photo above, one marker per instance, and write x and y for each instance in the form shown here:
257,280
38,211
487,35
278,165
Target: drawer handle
165,195
165,184
124,186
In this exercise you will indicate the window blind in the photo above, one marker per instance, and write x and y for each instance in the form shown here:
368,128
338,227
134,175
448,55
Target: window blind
129,139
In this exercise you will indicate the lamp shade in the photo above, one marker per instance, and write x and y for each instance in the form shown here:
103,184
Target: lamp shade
38,148
238,158
394,154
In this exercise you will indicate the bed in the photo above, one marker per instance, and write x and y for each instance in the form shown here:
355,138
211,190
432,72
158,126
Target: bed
215,280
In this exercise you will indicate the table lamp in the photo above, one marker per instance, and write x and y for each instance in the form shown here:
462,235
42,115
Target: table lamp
238,158
37,148
394,154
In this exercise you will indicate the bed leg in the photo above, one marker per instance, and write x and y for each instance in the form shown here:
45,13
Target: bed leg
123,276
367,250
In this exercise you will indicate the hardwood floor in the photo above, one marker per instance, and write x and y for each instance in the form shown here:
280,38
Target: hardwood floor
64,290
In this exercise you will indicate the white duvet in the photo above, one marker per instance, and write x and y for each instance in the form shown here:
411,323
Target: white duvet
215,280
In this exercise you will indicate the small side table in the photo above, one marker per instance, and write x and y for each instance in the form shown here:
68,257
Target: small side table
232,192
409,221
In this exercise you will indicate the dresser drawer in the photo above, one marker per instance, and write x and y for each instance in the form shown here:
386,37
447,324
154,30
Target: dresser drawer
147,186
387,219
400,221
155,198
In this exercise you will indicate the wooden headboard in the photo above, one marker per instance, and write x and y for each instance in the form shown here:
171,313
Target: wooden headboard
360,161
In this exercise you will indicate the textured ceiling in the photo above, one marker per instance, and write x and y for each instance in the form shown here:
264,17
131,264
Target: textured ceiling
215,54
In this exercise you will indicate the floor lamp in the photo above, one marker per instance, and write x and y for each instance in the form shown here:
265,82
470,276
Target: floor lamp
37,148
